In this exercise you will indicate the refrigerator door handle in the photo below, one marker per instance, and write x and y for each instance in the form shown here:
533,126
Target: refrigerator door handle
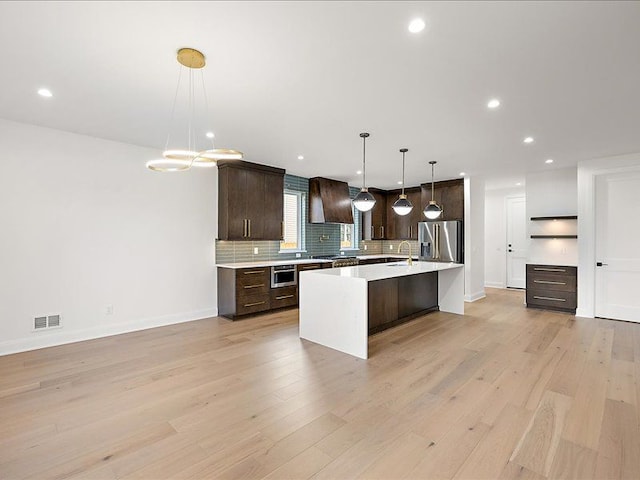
436,241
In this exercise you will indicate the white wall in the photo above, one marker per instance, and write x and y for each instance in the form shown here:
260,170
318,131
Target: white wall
554,192
473,239
495,235
85,225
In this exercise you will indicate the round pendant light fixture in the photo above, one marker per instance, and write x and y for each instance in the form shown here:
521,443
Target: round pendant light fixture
402,206
364,201
177,160
433,210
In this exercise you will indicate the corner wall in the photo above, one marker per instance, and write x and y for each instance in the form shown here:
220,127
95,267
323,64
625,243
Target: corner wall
85,225
473,239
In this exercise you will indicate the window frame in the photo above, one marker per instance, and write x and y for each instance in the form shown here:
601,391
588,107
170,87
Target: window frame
300,202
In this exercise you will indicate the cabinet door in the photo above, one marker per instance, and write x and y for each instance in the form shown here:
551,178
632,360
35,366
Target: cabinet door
452,198
233,205
255,208
374,222
391,230
273,207
415,215
383,303
417,293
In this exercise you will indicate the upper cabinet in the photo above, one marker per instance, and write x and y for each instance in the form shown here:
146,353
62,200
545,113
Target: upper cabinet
404,227
250,201
449,194
374,222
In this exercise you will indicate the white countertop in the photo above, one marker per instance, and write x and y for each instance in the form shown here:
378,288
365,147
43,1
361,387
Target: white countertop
380,271
298,261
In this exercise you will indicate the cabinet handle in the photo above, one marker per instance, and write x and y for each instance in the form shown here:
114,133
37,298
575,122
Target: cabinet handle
409,231
254,304
549,282
244,227
282,297
249,222
253,272
382,231
550,298
538,269
258,285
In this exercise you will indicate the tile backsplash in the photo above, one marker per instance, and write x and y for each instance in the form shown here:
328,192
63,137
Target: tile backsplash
320,238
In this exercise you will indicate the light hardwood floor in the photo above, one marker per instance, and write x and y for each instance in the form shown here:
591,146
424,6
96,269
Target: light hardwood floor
502,392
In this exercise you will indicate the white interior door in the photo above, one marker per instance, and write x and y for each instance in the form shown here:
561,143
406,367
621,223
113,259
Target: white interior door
516,242
618,246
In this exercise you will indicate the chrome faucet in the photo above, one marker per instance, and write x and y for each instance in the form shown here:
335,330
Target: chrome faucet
410,262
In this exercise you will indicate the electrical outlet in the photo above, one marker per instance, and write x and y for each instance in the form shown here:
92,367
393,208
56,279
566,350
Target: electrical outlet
255,250
390,247
298,255
365,247
108,310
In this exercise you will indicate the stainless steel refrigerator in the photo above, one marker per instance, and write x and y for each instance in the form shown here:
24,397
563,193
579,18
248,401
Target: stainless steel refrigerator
441,241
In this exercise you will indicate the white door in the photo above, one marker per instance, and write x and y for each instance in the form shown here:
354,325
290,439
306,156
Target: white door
516,242
618,246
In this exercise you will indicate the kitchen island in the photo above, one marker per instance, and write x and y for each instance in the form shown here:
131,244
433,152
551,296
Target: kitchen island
340,307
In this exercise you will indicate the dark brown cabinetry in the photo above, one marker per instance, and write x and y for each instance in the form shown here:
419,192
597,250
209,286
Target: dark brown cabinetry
311,266
404,227
250,201
552,287
449,195
393,301
243,291
374,222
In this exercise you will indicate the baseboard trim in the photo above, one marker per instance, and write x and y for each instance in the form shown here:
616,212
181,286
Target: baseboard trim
475,296
494,285
584,312
39,340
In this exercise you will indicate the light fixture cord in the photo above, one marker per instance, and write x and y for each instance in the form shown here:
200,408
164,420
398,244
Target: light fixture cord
206,106
432,194
403,172
173,108
364,154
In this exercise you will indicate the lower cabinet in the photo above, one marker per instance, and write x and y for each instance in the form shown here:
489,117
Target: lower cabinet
552,287
393,301
243,291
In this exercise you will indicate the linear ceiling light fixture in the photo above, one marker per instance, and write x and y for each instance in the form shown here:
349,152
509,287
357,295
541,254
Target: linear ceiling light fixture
364,201
402,205
432,211
181,159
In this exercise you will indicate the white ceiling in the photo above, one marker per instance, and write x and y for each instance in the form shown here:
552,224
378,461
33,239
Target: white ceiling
289,78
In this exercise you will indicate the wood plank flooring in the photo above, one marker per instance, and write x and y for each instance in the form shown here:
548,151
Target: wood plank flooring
502,392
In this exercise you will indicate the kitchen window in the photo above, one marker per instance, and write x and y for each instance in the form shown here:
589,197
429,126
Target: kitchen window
293,240
348,240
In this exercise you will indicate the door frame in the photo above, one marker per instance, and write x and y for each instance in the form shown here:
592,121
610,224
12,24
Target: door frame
588,171
506,237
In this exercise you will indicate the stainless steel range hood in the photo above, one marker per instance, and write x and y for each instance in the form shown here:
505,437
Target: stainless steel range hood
329,201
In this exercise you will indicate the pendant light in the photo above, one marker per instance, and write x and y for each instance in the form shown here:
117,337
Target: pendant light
364,201
432,211
402,206
176,160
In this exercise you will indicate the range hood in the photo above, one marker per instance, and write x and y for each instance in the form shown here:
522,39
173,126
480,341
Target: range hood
329,201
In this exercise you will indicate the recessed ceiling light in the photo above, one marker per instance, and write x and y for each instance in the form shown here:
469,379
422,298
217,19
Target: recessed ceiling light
528,140
462,174
359,172
548,160
518,184
210,135
493,103
416,25
300,157
45,92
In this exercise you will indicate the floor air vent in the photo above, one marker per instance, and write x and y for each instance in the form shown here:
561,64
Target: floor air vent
46,322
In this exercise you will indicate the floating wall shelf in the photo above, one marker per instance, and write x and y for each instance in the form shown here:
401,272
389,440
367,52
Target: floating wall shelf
557,217
554,236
